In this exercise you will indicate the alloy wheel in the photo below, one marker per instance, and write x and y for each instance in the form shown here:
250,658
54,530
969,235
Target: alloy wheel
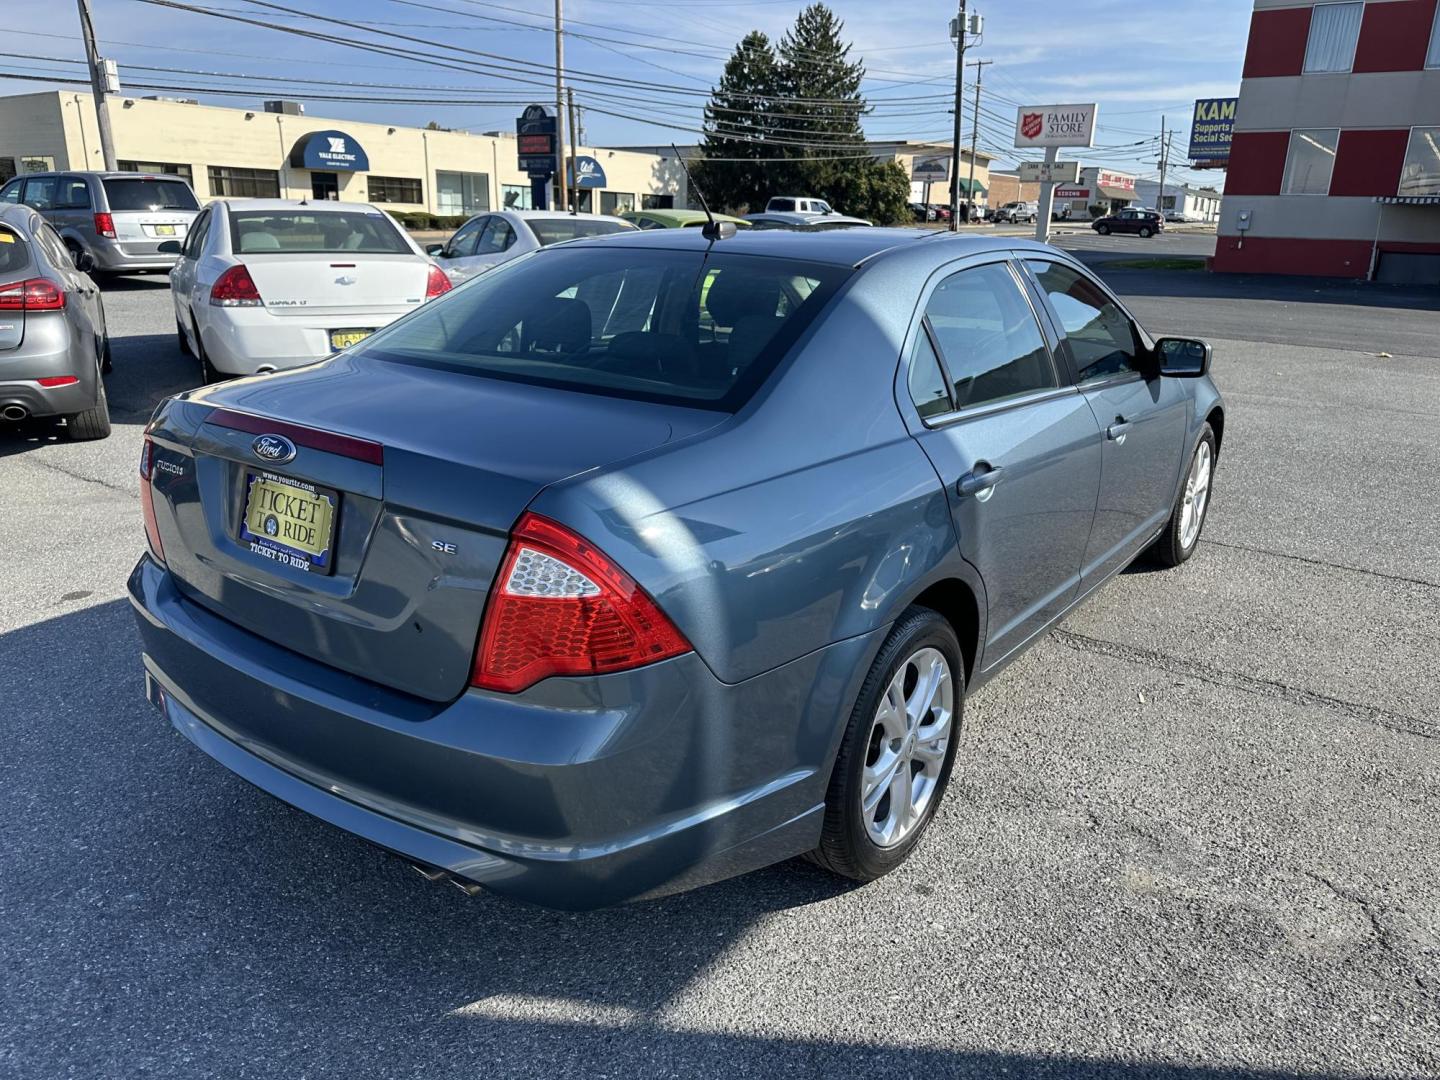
905,752
1197,494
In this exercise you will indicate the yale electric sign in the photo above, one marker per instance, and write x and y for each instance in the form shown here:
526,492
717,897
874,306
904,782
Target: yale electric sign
1211,127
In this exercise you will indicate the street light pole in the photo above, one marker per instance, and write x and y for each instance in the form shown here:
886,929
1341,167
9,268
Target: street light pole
561,189
98,84
979,66
955,147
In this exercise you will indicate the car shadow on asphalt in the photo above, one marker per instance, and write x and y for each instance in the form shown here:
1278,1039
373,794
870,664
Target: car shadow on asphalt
133,282
159,909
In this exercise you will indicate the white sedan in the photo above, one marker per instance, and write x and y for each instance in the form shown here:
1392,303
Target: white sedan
488,240
266,284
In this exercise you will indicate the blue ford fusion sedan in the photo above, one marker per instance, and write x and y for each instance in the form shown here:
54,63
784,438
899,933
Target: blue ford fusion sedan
646,561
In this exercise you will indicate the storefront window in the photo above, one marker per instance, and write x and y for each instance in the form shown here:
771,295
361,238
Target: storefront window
1334,29
516,197
227,182
616,202
395,189
160,168
1421,173
458,193
1309,161
657,202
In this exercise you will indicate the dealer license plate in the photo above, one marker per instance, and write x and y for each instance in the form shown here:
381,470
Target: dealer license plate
290,521
343,339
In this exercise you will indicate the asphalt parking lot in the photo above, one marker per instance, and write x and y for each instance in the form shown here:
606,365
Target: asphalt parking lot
1192,833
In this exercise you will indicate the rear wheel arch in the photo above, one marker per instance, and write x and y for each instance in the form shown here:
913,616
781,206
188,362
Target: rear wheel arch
956,601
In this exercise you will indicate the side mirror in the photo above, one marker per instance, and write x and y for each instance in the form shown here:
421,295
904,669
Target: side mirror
435,251
83,260
1184,358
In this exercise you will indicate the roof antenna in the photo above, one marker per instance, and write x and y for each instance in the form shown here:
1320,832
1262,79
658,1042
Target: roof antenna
712,230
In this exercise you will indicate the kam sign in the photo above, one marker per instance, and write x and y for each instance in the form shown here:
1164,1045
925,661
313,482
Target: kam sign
1055,125
1211,128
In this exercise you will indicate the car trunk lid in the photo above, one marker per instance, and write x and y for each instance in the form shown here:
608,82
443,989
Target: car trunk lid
338,284
428,470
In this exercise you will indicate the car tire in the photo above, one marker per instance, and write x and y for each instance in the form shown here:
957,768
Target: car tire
209,373
853,838
1145,232
1181,535
1103,230
93,423
183,341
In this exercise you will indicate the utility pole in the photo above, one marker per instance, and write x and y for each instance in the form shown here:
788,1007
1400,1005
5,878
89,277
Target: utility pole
959,90
979,66
100,84
575,137
1164,161
561,185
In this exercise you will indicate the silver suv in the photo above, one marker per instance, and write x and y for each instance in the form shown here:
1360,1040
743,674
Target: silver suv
124,221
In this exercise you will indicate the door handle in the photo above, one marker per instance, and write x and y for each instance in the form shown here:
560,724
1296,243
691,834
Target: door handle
980,479
1118,429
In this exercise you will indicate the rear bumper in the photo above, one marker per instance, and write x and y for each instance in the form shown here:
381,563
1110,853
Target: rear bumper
240,341
21,370
118,257
577,794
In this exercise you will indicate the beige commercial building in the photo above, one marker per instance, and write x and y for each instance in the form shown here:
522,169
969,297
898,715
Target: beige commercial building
248,153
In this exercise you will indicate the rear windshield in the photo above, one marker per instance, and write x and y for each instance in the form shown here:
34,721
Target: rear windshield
145,193
684,328
330,232
14,254
554,230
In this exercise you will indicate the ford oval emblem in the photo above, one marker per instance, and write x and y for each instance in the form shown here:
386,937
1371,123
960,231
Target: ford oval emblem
276,449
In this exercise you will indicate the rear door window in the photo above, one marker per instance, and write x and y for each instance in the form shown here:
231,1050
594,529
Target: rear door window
10,193
1101,338
14,253
148,193
72,193
670,326
498,236
989,337
463,243
556,230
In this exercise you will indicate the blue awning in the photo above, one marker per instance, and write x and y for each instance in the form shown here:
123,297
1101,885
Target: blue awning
329,150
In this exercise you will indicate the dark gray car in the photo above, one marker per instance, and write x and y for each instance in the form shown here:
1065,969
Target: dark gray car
54,347
643,562
124,221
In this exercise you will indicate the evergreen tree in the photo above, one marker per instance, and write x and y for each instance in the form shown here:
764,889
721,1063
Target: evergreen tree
738,129
792,117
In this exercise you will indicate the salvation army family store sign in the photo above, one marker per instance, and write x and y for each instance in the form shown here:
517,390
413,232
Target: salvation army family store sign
1055,125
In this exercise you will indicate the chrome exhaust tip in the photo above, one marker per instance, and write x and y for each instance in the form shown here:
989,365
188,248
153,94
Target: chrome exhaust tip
15,412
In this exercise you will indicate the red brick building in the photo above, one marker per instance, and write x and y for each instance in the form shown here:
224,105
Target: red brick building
1335,163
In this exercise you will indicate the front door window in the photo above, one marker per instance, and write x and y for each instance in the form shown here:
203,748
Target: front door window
324,185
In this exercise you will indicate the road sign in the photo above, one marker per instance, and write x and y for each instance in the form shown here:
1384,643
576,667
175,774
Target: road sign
931,170
1040,172
1211,127
535,140
1055,125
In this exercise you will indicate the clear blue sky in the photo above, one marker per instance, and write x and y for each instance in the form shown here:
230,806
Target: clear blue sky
1139,61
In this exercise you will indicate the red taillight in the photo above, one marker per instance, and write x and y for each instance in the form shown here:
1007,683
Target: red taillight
105,226
235,288
36,294
147,500
437,284
561,607
50,382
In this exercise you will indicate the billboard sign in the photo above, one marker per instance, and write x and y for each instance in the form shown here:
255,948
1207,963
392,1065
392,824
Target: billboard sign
1046,172
1211,127
931,170
1055,125
535,141
1105,178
